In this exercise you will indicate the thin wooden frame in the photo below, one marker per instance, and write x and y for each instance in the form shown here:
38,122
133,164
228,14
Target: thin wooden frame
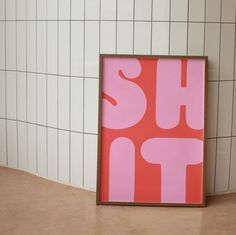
98,200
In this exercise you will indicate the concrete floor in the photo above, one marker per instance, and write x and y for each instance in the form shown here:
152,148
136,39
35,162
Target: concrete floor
30,205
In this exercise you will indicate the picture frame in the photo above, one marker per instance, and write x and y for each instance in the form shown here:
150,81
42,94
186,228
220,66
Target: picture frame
152,130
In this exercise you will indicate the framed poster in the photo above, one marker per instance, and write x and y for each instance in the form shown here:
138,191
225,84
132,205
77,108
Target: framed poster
151,130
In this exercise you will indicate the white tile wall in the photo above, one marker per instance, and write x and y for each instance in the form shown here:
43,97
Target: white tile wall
125,10
11,94
160,38
11,45
108,9
228,11
52,105
2,45
222,164
142,38
42,150
21,46
90,163
91,106
225,108
2,95
22,146
210,165
108,37
52,153
77,160
77,9
41,99
91,48
31,46
77,48
197,10
12,158
124,37
179,10
2,9
64,156
213,10
63,102
77,94
21,9
3,146
52,46
161,10
49,81
41,46
178,38
212,109
195,39
212,49
32,148
31,97
143,9
21,96
64,48
232,185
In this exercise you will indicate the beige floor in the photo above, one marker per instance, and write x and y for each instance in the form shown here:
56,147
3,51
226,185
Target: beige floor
31,205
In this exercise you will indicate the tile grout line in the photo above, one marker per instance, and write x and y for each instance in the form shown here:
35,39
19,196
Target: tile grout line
121,20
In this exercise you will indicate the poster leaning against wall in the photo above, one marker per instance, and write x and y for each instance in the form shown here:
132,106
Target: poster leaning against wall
151,130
